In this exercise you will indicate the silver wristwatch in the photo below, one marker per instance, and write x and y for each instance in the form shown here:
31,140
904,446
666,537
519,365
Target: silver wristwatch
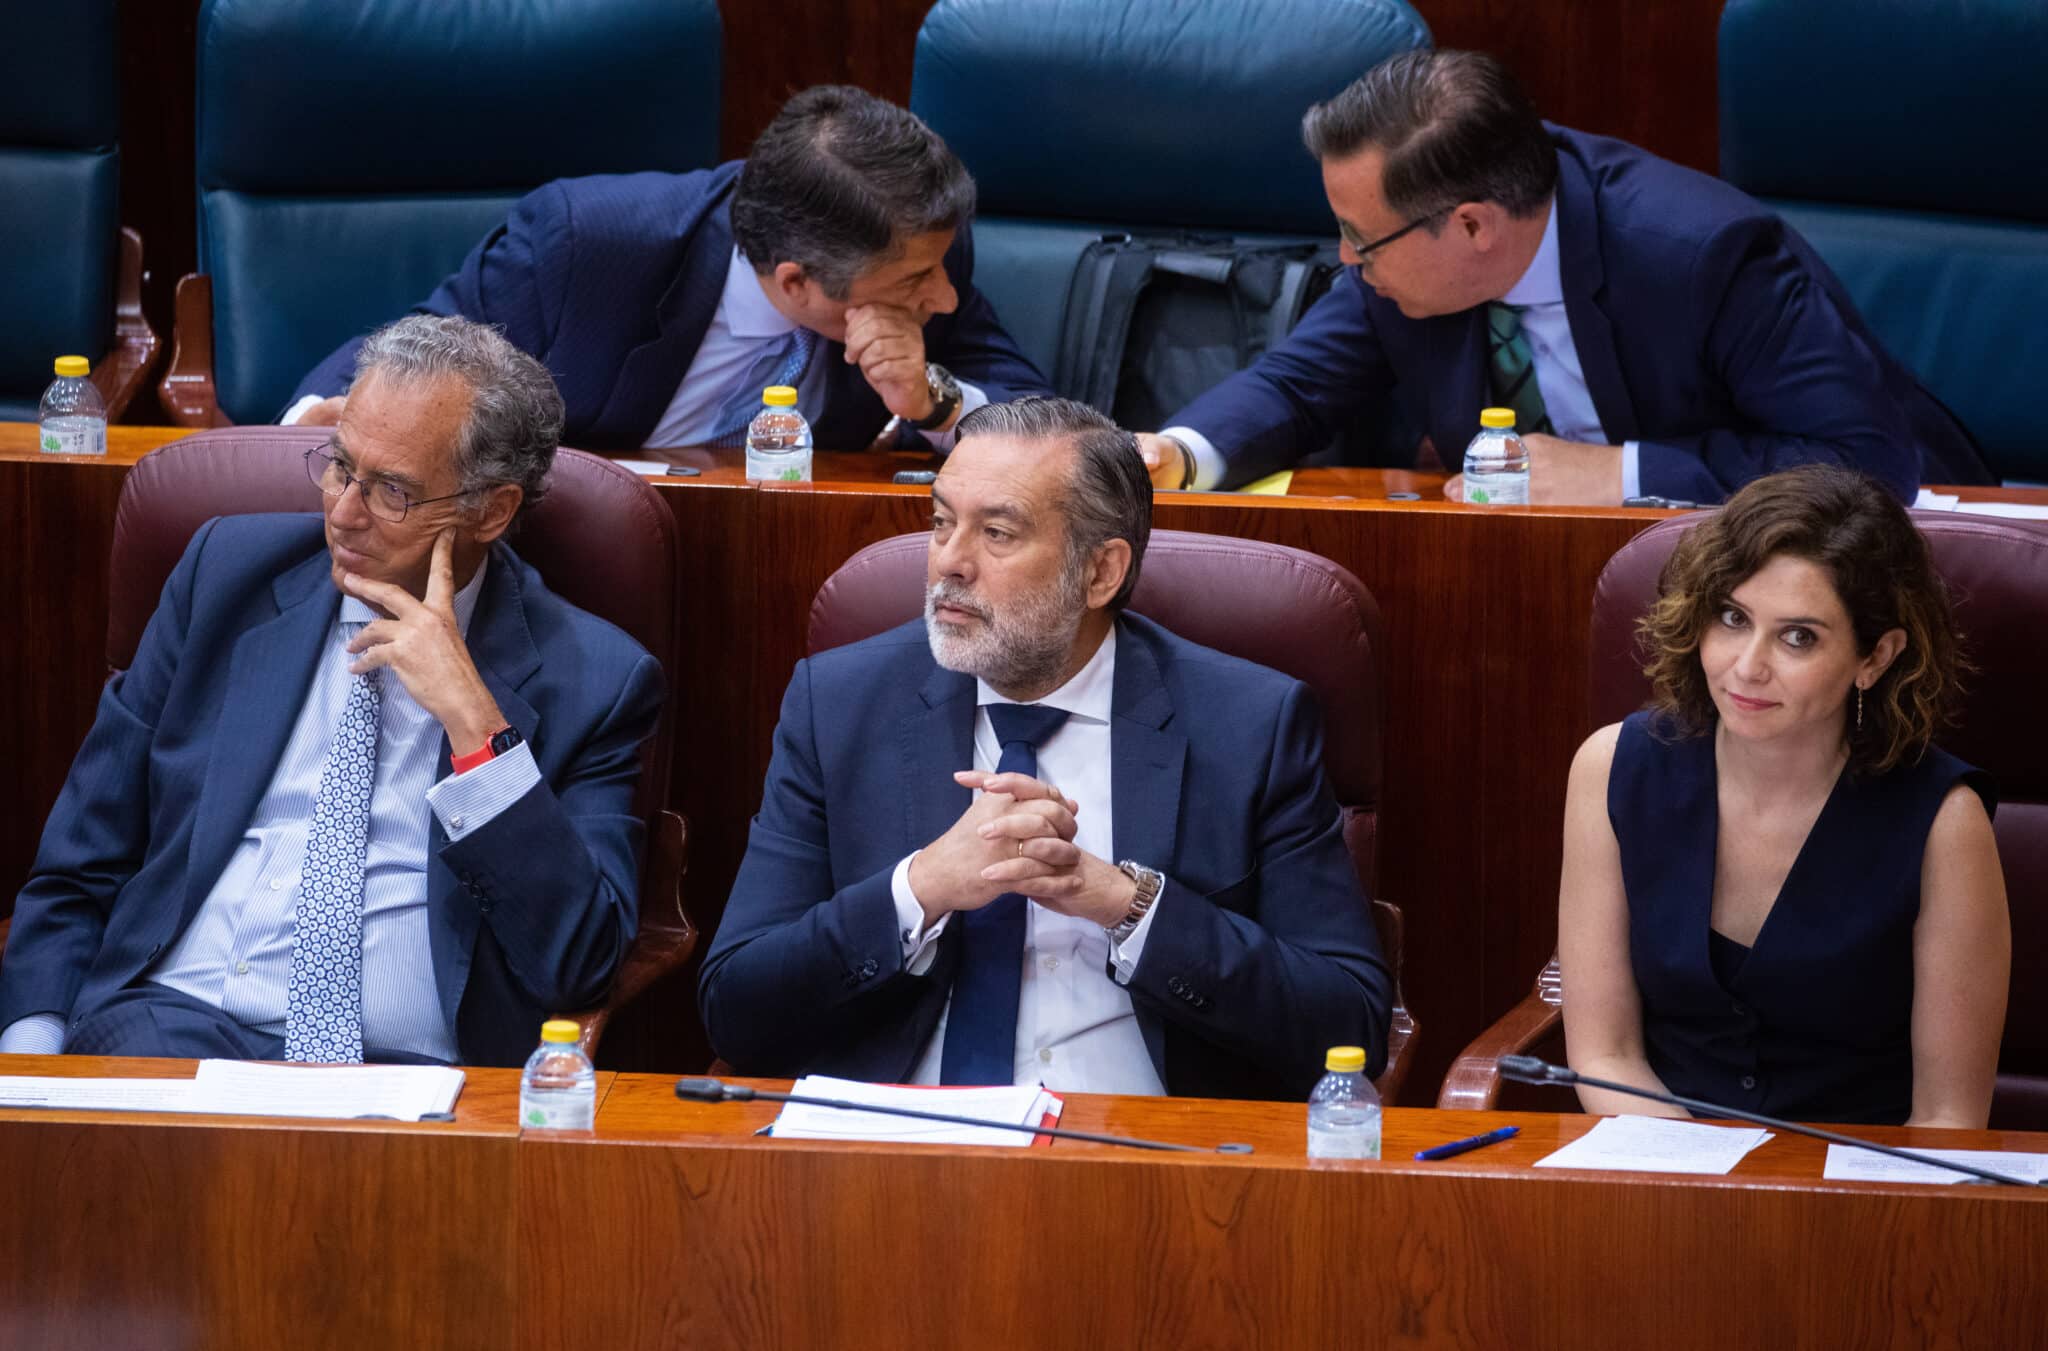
1150,882
945,391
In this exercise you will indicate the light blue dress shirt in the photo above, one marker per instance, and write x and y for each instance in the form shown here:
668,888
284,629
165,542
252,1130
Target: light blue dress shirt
237,952
744,321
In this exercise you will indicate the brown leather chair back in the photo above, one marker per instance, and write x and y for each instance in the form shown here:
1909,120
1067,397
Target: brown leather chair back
603,540
1294,611
1997,574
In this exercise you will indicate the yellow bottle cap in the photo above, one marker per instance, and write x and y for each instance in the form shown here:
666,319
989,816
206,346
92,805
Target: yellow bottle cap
1497,417
1345,1059
73,366
560,1029
779,396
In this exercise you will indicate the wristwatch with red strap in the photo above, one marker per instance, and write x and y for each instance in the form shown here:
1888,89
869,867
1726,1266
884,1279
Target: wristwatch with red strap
499,742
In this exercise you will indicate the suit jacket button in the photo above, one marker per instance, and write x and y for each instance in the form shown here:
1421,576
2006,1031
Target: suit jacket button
868,969
1176,985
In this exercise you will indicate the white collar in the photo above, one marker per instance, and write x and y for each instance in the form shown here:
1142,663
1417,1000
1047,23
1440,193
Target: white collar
747,311
1543,282
1087,695
355,611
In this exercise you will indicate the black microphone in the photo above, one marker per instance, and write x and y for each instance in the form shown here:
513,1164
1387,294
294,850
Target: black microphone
717,1090
1527,1069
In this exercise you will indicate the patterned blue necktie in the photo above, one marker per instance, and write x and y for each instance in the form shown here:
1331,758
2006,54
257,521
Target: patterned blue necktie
981,1027
778,363
323,1015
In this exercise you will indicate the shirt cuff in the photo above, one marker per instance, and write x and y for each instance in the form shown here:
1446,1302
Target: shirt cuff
37,1034
920,942
465,803
971,398
1631,469
1123,957
1209,464
298,410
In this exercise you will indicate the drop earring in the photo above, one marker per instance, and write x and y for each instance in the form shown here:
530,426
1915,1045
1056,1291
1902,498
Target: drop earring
1859,708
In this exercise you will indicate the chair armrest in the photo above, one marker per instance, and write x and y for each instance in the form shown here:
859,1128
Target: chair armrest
1402,1029
187,389
1473,1085
666,939
126,367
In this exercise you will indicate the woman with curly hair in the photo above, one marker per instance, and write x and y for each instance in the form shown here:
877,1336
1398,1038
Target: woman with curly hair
1778,893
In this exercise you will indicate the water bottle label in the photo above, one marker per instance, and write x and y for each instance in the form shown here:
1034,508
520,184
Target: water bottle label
86,439
556,1112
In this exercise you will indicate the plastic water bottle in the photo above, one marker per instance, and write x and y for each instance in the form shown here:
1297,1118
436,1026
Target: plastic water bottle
558,1091
73,417
778,439
1344,1109
1497,463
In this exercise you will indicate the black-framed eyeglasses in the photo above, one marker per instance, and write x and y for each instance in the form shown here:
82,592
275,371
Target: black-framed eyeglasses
385,499
1365,251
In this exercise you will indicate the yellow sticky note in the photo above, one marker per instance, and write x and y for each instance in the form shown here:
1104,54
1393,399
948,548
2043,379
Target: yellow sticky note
1272,485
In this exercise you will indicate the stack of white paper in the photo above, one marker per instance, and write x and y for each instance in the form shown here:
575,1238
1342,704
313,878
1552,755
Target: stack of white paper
402,1092
1654,1144
1026,1104
236,1088
1849,1164
95,1095
1929,500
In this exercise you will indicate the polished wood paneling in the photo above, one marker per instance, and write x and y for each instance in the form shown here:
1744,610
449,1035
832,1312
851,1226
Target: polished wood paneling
1643,72
1086,1245
222,1232
672,1224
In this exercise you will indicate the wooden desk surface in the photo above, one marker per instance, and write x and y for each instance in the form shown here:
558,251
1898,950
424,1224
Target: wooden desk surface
673,1225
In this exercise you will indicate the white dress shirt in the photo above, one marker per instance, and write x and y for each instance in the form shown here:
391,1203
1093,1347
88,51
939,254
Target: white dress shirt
1076,1029
1540,297
236,954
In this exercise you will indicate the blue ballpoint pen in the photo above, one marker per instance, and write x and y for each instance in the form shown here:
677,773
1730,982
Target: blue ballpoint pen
1457,1147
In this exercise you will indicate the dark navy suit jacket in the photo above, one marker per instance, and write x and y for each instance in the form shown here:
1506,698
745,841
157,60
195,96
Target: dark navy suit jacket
1261,953
529,914
611,282
1708,331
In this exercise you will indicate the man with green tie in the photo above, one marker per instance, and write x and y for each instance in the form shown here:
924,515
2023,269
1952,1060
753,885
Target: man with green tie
1656,331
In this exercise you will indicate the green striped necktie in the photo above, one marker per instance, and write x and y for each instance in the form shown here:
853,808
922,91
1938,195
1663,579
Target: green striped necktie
1511,370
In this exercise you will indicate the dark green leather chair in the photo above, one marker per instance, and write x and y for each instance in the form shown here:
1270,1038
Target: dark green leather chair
1079,120
64,260
1904,139
350,155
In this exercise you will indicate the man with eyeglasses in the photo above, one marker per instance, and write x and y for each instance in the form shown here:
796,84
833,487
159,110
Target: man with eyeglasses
1656,332
365,792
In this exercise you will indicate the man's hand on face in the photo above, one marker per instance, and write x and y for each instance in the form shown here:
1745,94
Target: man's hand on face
1163,459
422,645
887,343
1563,473
1015,817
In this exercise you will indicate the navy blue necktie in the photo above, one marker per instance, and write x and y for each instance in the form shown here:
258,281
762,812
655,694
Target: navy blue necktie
981,1027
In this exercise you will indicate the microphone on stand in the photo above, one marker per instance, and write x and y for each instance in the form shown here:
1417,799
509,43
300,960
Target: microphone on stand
717,1090
1527,1069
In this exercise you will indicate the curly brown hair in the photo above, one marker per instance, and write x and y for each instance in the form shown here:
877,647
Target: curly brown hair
1881,567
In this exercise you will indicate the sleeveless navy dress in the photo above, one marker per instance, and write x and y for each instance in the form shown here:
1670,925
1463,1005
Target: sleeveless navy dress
1814,1022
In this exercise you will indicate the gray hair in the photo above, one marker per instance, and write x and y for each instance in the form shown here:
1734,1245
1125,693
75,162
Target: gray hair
515,411
1108,496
